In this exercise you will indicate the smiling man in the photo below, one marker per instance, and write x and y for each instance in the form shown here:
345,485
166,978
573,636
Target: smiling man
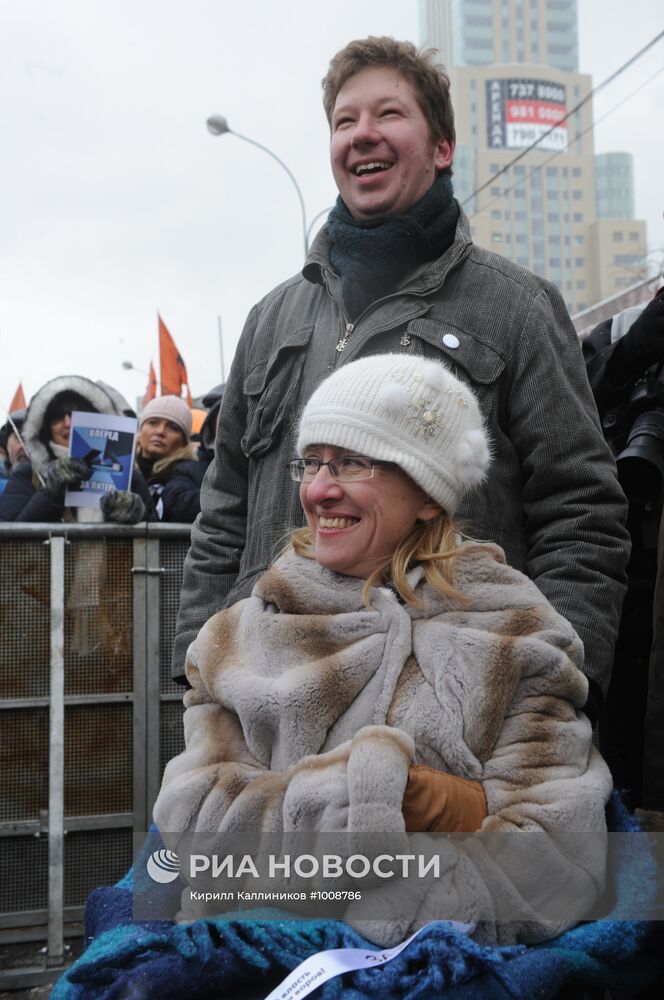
395,270
384,157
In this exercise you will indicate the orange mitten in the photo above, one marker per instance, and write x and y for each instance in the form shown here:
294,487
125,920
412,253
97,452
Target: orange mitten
435,801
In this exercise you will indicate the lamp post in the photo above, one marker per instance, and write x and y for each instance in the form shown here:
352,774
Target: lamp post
218,125
315,219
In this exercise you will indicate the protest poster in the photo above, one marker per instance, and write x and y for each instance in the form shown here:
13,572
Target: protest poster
106,444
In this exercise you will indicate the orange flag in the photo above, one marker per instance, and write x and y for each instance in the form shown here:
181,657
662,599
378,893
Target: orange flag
151,390
18,402
173,369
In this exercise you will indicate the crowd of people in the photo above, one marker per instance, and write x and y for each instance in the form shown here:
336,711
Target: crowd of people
170,461
429,653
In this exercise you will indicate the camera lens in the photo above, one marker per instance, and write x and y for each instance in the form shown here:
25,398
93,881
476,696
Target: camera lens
641,464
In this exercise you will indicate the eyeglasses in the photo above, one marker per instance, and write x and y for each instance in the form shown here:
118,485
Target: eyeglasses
59,416
346,469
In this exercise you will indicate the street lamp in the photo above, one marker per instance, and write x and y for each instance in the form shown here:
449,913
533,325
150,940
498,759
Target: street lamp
130,366
218,125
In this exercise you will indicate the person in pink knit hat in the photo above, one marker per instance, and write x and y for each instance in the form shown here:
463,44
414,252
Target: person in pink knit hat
167,459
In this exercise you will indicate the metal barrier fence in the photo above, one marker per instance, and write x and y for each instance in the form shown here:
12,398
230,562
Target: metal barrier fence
88,711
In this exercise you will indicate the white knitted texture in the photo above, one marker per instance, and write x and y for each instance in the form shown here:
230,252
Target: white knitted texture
406,410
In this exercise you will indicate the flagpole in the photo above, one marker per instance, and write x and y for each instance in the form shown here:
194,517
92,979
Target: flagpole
221,350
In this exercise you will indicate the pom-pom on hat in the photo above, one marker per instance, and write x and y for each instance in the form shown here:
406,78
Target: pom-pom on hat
169,408
407,410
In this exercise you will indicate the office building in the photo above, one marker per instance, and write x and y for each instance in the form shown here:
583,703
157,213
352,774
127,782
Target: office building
556,209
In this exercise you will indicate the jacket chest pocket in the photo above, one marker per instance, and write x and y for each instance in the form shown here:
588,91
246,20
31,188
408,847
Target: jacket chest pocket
472,358
468,357
272,390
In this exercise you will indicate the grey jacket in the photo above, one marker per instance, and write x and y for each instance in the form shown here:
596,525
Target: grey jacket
552,500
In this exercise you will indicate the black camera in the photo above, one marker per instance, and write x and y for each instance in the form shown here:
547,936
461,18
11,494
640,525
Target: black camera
635,431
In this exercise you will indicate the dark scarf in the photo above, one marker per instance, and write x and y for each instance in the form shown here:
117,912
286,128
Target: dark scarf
373,258
146,466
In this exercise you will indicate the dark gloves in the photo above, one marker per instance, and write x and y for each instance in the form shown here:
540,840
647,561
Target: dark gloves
64,472
441,802
641,347
122,507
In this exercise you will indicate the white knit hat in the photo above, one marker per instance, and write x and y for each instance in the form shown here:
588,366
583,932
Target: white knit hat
169,408
407,410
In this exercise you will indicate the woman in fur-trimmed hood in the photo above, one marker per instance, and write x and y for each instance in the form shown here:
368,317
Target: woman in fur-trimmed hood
36,489
387,676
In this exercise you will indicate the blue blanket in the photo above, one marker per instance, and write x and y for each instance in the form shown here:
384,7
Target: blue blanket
248,956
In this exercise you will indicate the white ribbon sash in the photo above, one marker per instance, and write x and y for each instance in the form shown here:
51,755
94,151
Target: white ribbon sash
324,965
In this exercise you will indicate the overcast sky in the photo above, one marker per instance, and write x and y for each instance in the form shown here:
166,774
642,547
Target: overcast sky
116,202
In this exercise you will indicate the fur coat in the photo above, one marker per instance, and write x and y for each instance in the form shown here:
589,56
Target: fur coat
307,710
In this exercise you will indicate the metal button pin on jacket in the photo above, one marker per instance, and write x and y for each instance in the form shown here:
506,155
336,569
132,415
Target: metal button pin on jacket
451,341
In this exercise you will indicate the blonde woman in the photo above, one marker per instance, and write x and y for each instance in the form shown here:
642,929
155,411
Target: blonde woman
388,676
167,459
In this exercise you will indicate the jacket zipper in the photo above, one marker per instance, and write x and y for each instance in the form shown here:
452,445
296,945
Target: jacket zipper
348,327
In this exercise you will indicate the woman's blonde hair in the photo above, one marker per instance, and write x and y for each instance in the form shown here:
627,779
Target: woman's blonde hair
434,544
